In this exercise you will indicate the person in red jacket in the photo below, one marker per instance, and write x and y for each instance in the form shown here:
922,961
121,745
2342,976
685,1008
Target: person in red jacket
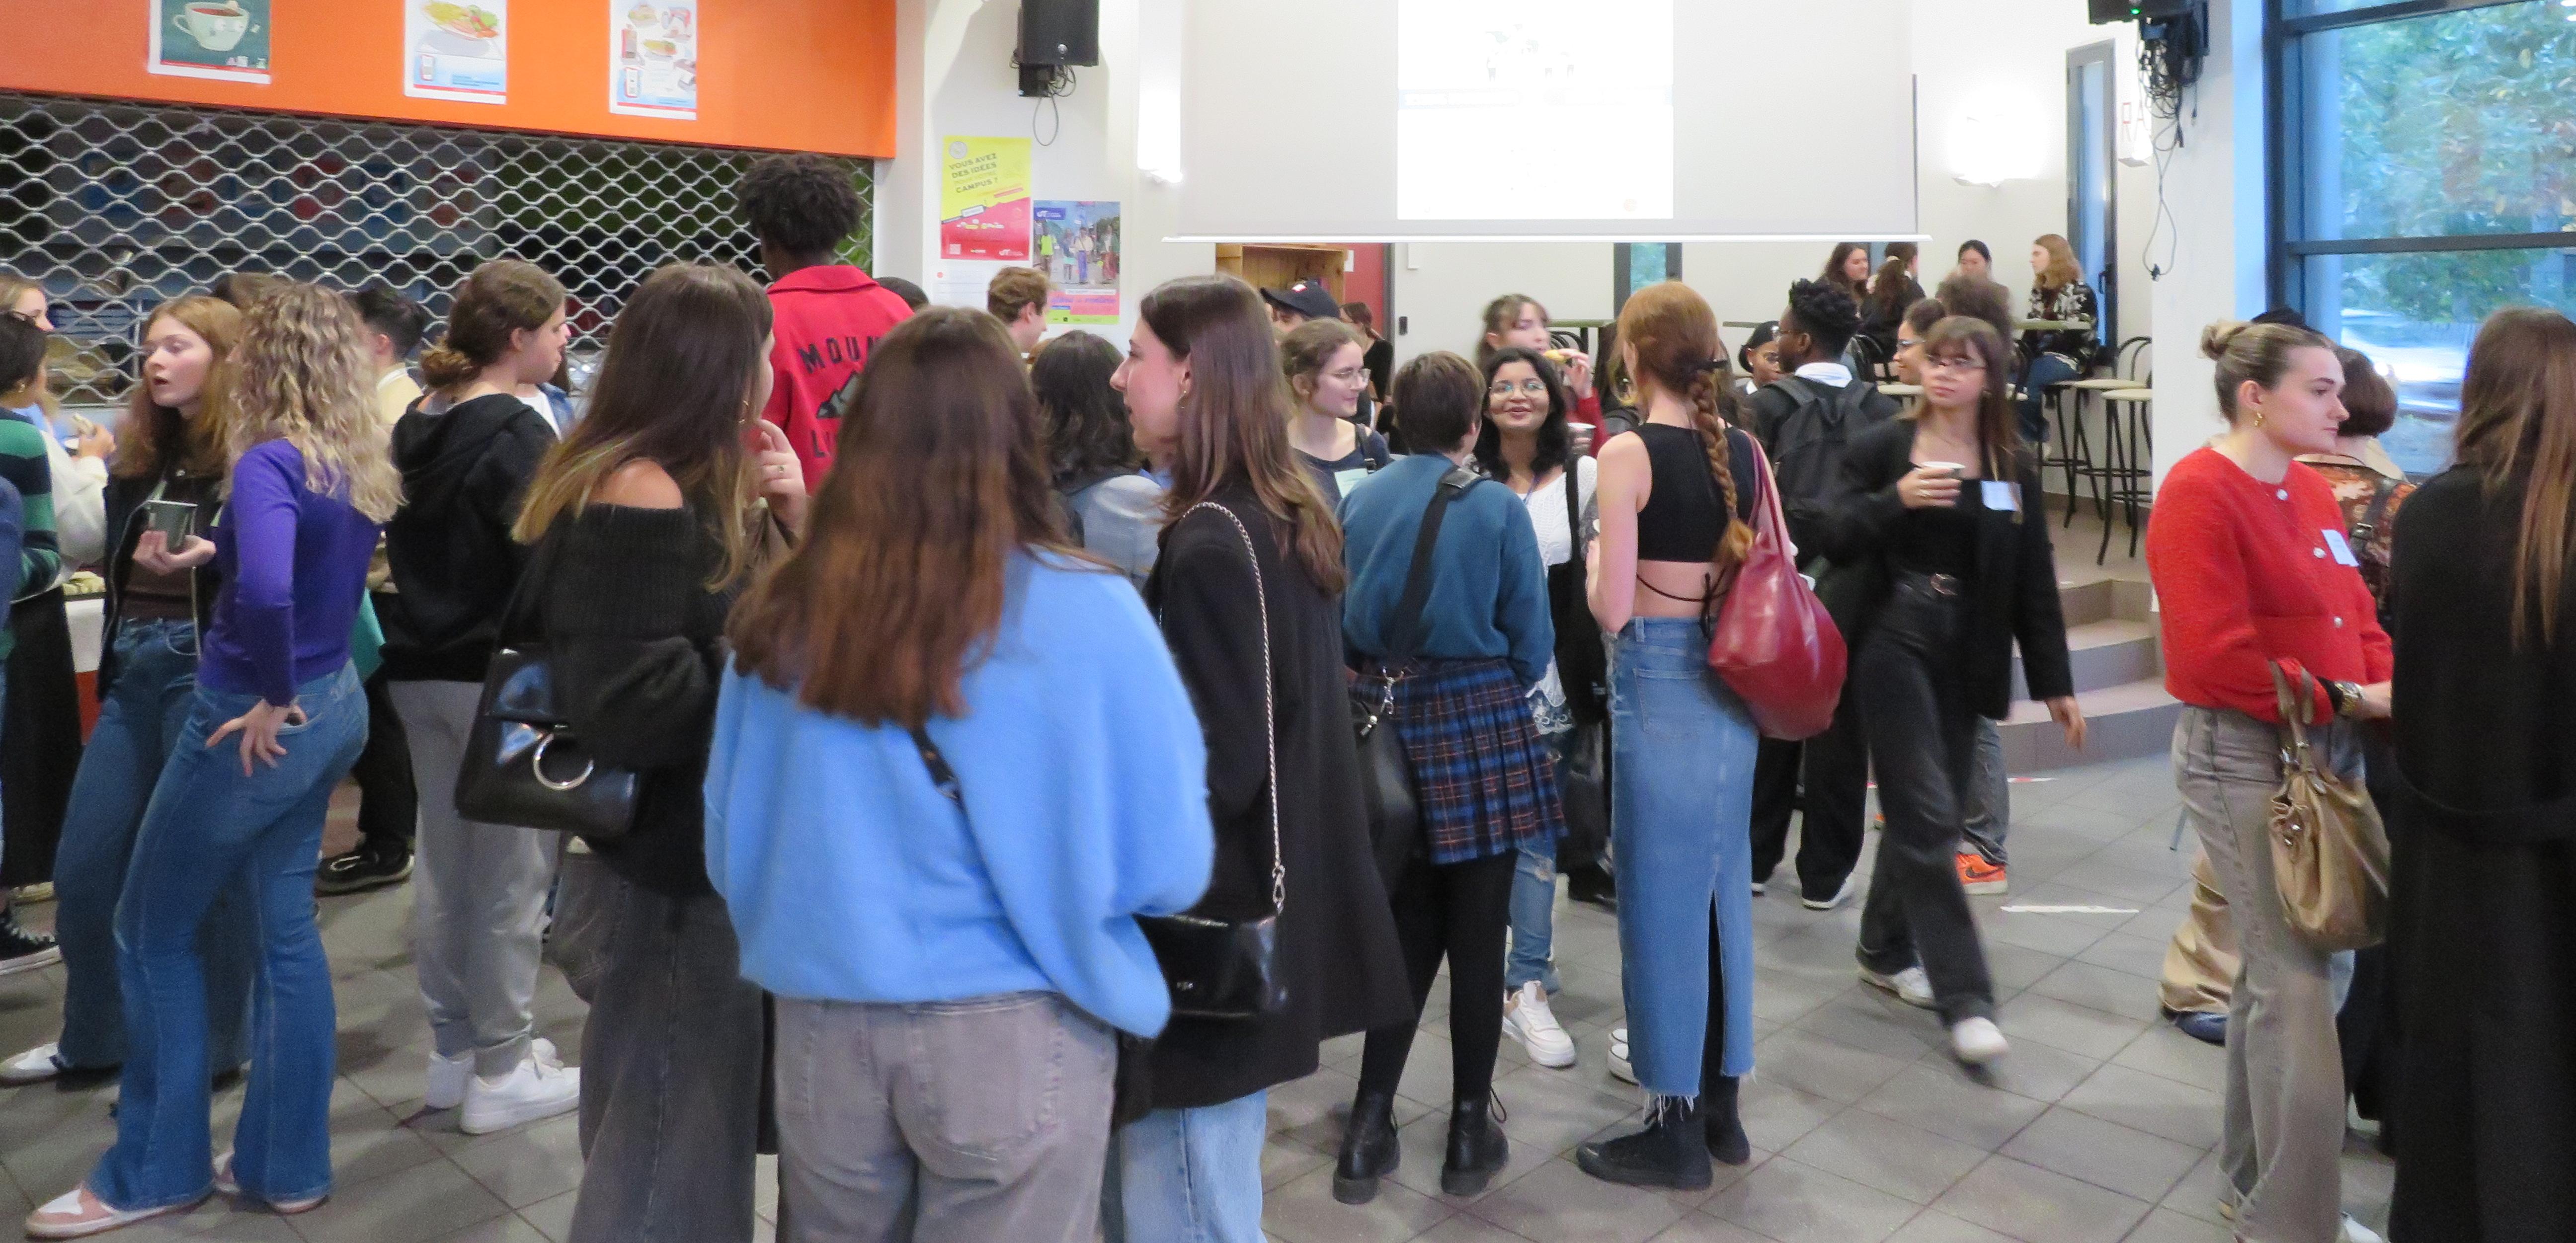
829,314
2251,565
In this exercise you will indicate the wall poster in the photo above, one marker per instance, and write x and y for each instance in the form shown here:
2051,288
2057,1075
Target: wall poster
984,199
226,40
457,50
653,58
1077,245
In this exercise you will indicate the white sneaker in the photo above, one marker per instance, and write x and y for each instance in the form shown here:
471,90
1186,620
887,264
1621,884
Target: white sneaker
1978,1041
1620,1069
1911,986
1836,898
1761,887
1527,1018
539,1088
2355,1232
445,1088
36,1065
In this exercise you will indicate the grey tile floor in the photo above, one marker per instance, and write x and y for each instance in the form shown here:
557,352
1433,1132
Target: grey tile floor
2097,1128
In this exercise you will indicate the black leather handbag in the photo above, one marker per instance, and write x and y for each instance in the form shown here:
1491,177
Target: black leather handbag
523,763
1387,789
1221,968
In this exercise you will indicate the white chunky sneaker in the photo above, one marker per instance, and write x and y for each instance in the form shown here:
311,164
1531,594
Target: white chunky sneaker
1527,1018
1620,1068
1911,986
1977,1041
539,1088
36,1065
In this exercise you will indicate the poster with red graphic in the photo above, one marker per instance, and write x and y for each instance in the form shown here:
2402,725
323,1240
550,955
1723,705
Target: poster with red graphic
984,199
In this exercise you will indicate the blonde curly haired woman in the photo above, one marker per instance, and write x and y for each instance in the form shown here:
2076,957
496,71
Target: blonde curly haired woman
279,708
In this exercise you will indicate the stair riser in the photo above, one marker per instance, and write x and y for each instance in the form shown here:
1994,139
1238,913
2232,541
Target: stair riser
2100,668
2037,746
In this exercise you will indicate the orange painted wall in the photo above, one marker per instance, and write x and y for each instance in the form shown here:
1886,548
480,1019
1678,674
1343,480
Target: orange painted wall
797,75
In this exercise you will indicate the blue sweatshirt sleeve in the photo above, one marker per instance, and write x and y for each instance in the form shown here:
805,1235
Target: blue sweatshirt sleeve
1520,607
261,516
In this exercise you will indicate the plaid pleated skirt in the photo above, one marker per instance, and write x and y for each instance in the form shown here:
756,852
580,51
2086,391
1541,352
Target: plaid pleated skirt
1485,781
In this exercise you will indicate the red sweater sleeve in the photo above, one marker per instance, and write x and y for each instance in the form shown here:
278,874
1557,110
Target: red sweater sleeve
1587,410
2214,656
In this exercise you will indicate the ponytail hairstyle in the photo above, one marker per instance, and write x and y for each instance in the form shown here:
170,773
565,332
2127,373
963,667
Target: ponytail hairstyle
1674,334
2061,270
2257,352
1307,349
1234,420
495,300
2518,422
1890,288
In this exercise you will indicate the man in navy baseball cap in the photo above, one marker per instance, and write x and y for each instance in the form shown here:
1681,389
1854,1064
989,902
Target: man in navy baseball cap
1305,300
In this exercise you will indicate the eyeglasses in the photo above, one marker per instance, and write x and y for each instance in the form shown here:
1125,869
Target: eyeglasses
1906,343
1526,388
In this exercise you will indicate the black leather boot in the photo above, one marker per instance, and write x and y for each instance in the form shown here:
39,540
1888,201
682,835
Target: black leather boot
1672,1151
1369,1150
1726,1138
1477,1148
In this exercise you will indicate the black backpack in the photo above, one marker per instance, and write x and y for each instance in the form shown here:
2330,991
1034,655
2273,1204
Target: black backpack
1806,445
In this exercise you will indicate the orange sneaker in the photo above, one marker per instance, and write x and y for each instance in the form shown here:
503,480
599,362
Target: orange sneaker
1979,876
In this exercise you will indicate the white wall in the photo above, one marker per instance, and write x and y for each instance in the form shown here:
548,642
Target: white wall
2214,185
1440,288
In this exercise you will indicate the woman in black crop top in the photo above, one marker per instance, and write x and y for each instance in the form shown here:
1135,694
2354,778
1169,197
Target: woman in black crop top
1675,496
1938,571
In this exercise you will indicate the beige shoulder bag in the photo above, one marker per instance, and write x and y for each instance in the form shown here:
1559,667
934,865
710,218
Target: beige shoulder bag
2329,849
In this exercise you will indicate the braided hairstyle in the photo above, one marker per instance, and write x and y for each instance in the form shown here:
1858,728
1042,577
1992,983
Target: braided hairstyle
1674,334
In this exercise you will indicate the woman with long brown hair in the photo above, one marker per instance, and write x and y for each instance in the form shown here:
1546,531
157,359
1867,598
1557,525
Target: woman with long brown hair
172,451
952,763
2484,927
2053,355
1676,496
1941,568
647,523
308,491
1245,591
1847,269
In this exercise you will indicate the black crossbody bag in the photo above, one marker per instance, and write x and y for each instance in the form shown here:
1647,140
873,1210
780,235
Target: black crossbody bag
523,764
1387,787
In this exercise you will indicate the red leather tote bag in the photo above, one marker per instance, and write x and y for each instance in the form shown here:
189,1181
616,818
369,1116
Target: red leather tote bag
1774,644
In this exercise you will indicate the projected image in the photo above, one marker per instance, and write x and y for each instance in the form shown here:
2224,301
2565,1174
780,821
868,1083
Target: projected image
1534,110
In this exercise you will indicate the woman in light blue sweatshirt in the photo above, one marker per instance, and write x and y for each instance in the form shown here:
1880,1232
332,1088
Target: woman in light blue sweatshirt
952,762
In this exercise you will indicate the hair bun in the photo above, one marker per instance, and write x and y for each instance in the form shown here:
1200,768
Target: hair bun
2215,339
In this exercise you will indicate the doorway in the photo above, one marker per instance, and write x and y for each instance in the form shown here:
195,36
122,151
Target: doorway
2092,220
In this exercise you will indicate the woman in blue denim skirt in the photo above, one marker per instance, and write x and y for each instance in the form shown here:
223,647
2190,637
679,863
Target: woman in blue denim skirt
1675,496
168,450
282,715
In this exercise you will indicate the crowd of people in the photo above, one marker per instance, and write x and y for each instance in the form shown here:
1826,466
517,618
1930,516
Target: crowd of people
981,731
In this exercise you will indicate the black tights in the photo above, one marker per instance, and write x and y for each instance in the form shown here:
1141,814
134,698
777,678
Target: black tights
1459,910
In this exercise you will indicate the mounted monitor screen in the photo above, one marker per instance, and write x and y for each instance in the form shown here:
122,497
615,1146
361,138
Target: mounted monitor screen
1356,120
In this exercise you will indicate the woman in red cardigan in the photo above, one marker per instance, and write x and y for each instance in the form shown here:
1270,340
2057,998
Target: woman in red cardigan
2251,566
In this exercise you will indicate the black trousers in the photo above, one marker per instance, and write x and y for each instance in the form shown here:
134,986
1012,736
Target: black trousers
1923,739
388,802
1458,910
1827,776
40,741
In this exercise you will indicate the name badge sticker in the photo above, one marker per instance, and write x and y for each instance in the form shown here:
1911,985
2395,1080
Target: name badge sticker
2002,495
2342,550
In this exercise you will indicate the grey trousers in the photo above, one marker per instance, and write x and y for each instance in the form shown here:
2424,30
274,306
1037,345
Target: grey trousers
2282,1140
1987,800
478,893
954,1122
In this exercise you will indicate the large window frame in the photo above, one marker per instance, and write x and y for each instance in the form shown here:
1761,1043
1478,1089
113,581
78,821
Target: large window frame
2305,256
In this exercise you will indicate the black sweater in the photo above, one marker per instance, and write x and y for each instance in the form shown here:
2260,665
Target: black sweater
2012,595
125,526
637,640
464,472
2485,729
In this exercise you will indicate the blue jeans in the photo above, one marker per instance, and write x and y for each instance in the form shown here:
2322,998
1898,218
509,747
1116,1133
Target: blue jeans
1533,955
1680,829
138,727
209,823
1187,1175
1987,800
2044,370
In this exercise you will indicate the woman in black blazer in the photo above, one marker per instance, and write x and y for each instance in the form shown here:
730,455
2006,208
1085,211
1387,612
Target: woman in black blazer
1937,568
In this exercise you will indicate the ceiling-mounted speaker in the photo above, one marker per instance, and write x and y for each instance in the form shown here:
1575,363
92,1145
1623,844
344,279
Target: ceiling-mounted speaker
1054,34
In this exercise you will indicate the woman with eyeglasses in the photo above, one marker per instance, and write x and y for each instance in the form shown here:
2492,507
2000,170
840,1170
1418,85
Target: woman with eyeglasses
1940,569
1326,367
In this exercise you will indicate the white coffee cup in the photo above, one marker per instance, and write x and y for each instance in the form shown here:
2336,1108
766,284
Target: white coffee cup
1955,470
216,25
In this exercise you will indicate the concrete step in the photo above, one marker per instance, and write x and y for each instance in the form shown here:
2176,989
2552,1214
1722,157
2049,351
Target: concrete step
2101,655
2123,722
2106,599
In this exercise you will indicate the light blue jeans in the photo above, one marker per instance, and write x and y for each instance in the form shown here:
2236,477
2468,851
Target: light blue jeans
1533,955
139,725
209,823
1187,1175
1681,835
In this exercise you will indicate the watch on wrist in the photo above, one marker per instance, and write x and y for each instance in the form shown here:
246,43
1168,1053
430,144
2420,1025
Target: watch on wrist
2347,698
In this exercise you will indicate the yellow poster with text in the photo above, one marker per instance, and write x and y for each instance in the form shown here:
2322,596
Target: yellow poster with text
984,199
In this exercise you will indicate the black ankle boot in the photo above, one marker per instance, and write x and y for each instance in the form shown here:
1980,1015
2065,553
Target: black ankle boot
1672,1151
1726,1138
1369,1151
1476,1148
1592,883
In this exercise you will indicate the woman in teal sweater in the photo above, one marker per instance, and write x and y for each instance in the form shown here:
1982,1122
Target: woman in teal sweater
935,814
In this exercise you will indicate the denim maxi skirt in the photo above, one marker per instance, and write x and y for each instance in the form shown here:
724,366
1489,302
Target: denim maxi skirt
1680,829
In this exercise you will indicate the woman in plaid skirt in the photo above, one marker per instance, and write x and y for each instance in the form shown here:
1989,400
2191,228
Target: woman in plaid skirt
1675,498
1462,669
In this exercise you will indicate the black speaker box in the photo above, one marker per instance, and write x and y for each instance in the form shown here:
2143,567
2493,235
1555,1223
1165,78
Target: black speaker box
1059,32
